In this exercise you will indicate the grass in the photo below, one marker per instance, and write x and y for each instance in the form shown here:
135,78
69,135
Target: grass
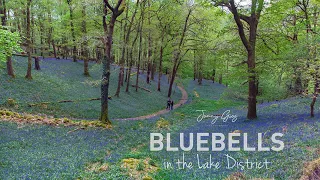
63,80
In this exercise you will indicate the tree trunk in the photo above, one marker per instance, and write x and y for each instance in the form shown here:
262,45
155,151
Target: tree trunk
177,53
149,46
74,50
37,63
33,50
252,21
85,42
170,85
140,45
173,75
257,87
200,78
10,67
148,61
54,49
108,59
213,75
29,76
200,69
160,61
41,36
129,72
194,66
316,87
252,98
154,65
314,99
3,12
153,69
50,31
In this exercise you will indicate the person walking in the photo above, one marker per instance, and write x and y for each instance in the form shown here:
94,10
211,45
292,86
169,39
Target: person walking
171,105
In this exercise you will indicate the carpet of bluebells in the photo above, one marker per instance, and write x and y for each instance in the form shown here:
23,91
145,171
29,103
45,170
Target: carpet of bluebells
301,135
63,80
45,152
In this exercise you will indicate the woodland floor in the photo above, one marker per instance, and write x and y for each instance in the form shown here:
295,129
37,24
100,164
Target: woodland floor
63,80
32,151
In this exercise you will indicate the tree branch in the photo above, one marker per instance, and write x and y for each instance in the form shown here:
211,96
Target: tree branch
106,2
239,24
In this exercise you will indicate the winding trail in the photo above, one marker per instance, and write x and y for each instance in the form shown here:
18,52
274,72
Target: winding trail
183,100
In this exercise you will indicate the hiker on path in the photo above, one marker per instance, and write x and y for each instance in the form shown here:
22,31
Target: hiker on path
171,105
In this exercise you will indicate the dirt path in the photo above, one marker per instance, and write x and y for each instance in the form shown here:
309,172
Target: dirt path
183,100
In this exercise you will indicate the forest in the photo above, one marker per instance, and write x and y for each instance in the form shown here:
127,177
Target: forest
83,83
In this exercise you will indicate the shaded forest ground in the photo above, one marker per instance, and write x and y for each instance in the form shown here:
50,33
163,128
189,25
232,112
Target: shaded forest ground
46,152
63,80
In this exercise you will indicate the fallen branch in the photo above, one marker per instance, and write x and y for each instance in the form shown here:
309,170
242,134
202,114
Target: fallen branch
79,128
142,88
25,55
65,101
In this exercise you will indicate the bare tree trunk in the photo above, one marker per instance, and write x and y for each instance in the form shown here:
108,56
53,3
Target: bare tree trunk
41,35
85,42
33,49
252,100
10,68
315,96
200,69
3,12
54,49
140,45
29,76
37,63
172,78
74,50
177,53
131,60
194,66
316,86
160,61
220,78
213,75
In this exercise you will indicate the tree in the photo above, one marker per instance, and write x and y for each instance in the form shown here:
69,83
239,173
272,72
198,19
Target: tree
85,41
177,54
9,44
249,43
125,48
115,13
3,14
140,43
74,53
29,46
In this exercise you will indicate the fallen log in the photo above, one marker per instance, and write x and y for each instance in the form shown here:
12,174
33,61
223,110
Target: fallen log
142,88
66,101
25,55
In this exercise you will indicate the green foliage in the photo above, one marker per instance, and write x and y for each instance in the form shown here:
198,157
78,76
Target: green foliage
9,43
